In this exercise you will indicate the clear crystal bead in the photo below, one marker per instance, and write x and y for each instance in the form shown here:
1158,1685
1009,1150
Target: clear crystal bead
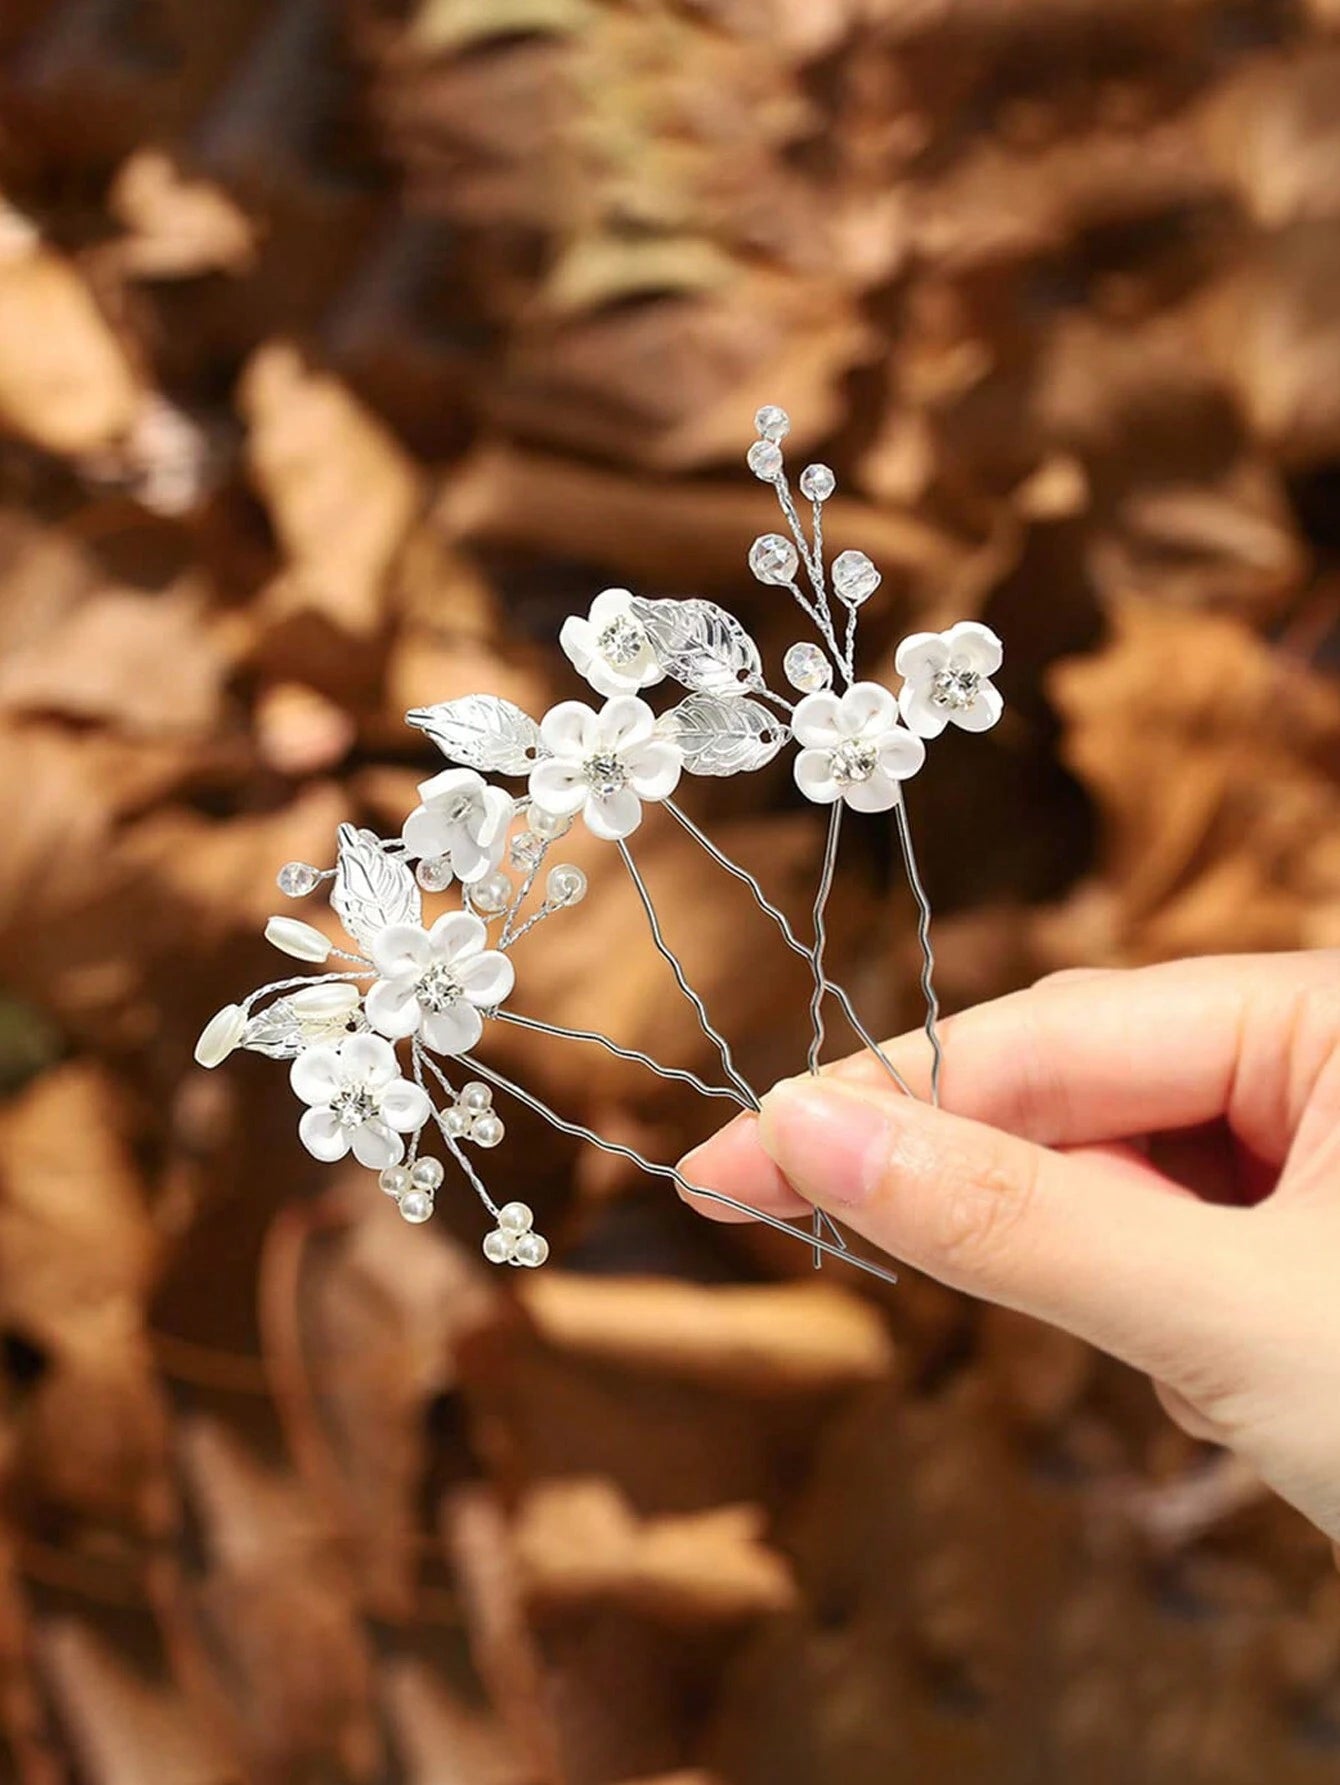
773,559
854,761
566,885
434,873
955,688
296,879
492,895
807,669
353,1106
527,850
439,989
605,774
621,642
764,459
772,423
817,483
855,578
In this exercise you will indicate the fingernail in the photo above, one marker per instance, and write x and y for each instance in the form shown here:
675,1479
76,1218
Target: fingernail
829,1143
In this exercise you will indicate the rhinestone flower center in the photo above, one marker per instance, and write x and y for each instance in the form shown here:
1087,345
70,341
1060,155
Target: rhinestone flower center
605,774
955,687
353,1106
854,761
439,988
621,642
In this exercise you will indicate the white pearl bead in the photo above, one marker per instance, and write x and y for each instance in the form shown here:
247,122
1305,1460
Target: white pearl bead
456,1122
475,1098
492,894
335,999
302,940
426,1174
395,1180
498,1246
515,1217
486,1130
565,885
549,825
416,1206
531,1249
220,1035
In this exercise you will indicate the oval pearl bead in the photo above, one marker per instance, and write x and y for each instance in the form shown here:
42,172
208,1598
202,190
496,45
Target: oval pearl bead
302,940
220,1035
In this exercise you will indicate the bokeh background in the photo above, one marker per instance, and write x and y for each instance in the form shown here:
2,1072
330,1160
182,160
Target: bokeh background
345,348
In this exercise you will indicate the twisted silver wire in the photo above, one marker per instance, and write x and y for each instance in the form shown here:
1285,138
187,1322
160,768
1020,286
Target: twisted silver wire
580,1132
624,1053
931,1024
789,936
817,968
420,1060
668,954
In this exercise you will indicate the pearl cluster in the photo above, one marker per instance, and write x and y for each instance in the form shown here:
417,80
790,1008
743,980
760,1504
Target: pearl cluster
513,1240
413,1187
472,1116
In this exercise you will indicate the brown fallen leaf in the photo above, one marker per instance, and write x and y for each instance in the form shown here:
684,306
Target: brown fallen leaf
66,381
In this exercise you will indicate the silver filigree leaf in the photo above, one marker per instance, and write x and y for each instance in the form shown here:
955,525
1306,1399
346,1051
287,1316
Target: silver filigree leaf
724,737
701,645
372,889
482,731
281,1031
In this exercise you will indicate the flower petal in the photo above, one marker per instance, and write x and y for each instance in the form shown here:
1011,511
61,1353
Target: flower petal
404,1106
401,950
393,1007
983,712
577,640
814,776
458,935
470,862
569,730
920,655
626,722
901,754
815,722
558,786
920,712
376,1147
496,810
613,815
368,1060
974,645
486,979
427,833
316,1075
447,786
322,1135
452,1031
875,794
866,709
654,768
612,680
610,605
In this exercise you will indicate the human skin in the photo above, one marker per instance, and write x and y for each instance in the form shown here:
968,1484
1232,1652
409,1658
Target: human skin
1147,1158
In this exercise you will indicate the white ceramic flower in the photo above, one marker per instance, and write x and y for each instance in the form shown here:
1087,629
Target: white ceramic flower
462,819
357,1100
610,646
946,679
853,748
604,764
435,982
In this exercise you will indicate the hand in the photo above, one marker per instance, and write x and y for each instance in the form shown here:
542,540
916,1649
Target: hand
1149,1159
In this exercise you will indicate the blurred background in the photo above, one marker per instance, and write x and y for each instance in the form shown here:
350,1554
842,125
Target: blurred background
345,347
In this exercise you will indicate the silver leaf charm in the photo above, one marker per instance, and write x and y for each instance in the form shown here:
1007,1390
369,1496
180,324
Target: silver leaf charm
372,889
482,731
724,737
282,1031
701,645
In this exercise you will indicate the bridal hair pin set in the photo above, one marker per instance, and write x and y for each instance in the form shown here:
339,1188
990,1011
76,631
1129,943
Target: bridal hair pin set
381,1045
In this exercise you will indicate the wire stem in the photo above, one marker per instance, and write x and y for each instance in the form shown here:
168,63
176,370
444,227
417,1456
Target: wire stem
927,950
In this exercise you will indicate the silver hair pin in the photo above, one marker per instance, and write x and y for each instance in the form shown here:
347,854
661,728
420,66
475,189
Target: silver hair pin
370,1044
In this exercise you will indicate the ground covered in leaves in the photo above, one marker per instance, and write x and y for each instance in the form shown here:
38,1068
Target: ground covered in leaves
345,348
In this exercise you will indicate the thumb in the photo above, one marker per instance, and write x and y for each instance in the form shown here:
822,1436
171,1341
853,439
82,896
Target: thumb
1157,1279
